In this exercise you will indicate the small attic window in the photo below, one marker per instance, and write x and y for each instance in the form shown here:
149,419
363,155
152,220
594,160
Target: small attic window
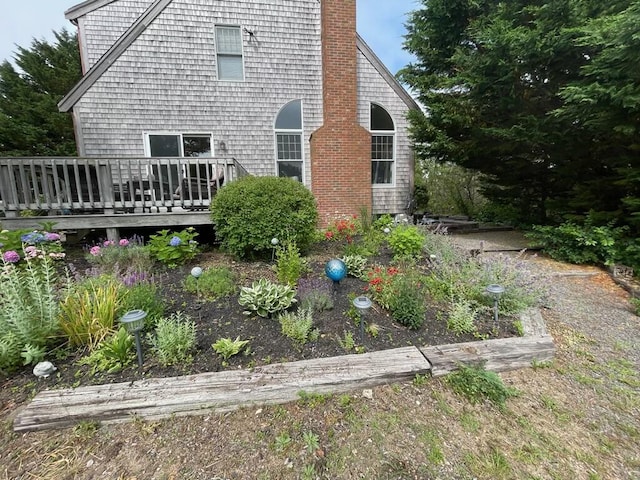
229,53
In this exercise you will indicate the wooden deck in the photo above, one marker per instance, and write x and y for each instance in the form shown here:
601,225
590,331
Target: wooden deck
111,193
277,383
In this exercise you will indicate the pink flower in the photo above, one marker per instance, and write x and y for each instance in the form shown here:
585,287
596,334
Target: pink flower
95,251
11,256
123,242
57,256
31,251
51,237
108,243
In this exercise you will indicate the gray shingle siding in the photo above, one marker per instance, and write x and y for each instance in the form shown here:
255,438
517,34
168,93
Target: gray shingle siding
373,88
166,81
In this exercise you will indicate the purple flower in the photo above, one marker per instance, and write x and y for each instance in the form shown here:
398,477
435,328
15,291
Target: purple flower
11,256
175,241
51,237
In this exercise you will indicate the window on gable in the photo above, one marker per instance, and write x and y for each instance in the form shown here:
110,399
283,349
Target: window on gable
382,146
289,148
229,53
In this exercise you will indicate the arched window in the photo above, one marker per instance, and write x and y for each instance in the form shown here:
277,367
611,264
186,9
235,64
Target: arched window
288,137
383,134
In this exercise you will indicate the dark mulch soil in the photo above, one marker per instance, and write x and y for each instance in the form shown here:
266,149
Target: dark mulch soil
224,319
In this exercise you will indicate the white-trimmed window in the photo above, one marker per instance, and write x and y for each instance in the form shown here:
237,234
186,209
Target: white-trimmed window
179,145
383,134
288,137
229,53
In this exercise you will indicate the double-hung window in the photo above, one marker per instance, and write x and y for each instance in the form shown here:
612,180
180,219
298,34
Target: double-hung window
382,146
229,53
289,148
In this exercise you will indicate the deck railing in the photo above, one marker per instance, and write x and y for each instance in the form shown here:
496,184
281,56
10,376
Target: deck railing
65,186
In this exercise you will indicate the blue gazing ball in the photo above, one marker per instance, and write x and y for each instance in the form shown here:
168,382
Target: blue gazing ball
335,269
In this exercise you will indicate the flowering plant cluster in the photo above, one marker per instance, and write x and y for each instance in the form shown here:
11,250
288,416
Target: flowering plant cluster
343,229
120,257
33,245
174,248
380,284
98,250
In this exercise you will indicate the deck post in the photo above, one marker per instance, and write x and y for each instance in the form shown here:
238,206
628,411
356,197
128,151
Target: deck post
105,178
8,193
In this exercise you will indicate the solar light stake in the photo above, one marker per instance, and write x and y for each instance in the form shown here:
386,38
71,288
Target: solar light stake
133,322
196,272
363,304
496,291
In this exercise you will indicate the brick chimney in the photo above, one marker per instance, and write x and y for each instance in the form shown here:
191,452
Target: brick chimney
340,148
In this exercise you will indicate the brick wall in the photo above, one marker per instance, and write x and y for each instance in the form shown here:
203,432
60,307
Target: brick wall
341,148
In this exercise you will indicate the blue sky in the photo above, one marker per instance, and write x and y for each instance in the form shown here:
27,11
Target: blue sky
380,23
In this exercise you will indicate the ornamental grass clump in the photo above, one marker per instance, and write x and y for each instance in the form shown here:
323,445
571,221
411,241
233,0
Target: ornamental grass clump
29,311
89,310
265,298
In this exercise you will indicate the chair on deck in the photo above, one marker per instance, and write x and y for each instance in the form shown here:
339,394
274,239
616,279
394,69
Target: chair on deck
195,189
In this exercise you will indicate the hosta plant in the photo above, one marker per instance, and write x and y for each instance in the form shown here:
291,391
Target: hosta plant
265,298
356,265
227,348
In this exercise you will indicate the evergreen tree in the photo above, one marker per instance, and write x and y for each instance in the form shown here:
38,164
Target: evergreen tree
491,74
30,123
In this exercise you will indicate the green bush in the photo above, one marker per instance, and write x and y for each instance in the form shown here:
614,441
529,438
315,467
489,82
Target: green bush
635,303
461,317
408,304
28,311
174,339
289,264
298,326
251,211
214,283
580,244
144,296
266,298
406,241
477,384
173,248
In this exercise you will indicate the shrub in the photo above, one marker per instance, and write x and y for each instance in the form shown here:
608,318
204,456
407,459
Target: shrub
89,310
173,248
266,298
289,264
635,303
214,283
298,326
461,318
227,348
408,303
112,354
477,384
174,339
16,245
249,212
580,244
406,241
28,312
144,296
